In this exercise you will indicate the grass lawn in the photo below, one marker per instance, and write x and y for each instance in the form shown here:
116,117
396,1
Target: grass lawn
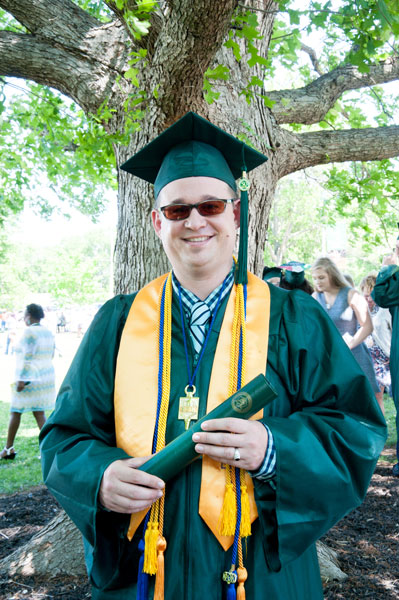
25,470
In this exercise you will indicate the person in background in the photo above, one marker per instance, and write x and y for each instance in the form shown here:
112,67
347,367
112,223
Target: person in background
11,328
386,295
204,329
272,275
348,310
379,342
293,277
34,387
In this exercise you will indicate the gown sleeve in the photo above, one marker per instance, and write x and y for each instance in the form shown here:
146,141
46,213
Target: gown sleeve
78,439
386,289
327,427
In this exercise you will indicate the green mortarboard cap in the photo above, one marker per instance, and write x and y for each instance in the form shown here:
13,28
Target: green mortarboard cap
194,147
269,272
294,272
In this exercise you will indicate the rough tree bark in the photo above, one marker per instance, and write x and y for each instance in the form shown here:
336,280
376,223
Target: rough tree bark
66,48
56,549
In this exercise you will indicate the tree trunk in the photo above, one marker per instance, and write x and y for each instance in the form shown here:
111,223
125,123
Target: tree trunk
329,564
56,549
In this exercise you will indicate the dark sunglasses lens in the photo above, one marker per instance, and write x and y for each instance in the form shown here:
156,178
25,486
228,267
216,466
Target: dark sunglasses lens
176,212
211,207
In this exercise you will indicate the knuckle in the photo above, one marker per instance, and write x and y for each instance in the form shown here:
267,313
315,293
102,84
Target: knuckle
226,439
229,424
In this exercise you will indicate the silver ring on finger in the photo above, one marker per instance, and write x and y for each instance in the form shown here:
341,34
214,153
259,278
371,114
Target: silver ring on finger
237,454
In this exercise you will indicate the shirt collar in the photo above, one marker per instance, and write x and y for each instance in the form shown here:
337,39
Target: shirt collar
189,299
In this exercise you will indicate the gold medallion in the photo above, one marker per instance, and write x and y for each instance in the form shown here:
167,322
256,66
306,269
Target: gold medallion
188,406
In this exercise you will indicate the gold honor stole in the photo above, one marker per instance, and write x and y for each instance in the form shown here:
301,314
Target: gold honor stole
136,386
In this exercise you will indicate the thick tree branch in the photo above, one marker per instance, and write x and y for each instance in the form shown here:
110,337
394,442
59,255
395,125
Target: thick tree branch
86,73
311,103
322,147
60,20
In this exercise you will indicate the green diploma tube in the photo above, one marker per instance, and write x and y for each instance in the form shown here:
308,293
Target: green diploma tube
245,403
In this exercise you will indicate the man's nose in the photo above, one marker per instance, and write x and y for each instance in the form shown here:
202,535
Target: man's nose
195,220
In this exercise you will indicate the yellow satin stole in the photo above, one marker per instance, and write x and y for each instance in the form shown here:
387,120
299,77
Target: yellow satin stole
136,391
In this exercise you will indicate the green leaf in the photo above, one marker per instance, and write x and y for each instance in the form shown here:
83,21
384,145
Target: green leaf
294,16
132,75
235,47
219,72
269,103
209,95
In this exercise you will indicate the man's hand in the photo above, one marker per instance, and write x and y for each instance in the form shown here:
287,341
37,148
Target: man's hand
20,385
124,489
220,438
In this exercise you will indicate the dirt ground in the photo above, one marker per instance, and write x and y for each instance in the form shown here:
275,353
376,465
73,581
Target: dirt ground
367,542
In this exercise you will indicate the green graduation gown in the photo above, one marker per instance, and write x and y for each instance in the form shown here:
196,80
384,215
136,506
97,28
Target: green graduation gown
328,433
386,295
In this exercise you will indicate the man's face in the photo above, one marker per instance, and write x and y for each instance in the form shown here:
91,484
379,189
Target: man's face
197,243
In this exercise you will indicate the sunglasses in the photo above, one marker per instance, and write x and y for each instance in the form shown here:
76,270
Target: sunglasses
207,208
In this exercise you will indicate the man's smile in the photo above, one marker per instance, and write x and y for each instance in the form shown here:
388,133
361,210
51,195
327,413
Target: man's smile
198,239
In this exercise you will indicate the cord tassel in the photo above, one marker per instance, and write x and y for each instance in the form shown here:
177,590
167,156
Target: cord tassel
159,590
245,526
231,588
229,511
150,548
242,577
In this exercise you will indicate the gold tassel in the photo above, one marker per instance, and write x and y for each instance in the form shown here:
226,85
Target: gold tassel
245,526
150,548
229,511
160,576
241,578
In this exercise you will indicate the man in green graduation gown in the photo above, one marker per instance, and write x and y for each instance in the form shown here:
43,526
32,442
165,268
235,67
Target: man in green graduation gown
311,455
386,295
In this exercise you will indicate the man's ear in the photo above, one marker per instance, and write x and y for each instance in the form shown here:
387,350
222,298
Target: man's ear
236,212
156,221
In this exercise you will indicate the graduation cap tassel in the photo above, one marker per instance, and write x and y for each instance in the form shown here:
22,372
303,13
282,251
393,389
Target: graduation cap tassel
241,272
243,186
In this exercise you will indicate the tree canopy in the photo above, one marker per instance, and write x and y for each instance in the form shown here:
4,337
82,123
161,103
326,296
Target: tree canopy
304,84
